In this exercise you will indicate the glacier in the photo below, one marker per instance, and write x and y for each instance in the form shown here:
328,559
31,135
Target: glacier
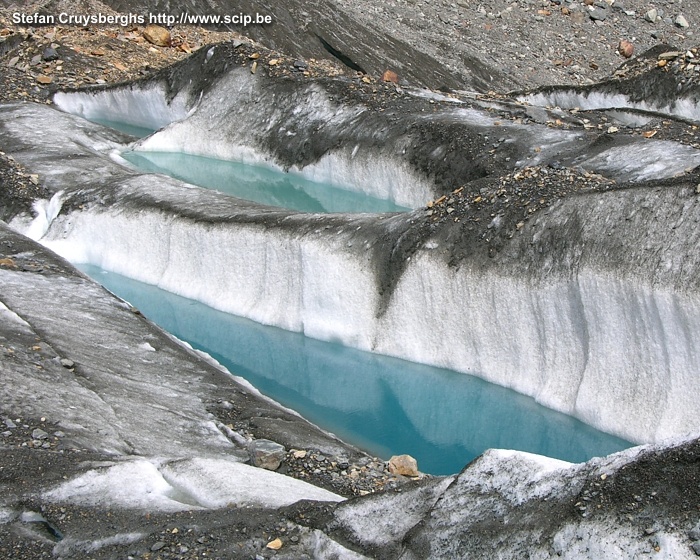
184,485
588,305
171,457
642,87
149,107
606,338
562,341
590,99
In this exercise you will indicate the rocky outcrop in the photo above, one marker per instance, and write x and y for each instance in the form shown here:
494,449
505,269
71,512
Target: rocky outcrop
321,30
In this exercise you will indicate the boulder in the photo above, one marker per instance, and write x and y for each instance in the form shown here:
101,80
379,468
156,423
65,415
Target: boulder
390,76
157,35
404,465
266,454
625,48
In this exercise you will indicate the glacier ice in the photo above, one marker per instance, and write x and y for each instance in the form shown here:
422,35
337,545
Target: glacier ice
592,308
409,508
68,547
185,484
10,316
145,107
46,211
389,405
7,515
217,483
560,343
169,457
208,132
545,509
588,100
659,160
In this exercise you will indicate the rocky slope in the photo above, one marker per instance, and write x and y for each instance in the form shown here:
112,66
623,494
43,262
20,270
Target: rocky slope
493,45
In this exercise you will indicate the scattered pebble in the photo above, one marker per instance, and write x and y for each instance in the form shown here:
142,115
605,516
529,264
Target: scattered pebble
266,454
38,433
625,48
157,35
681,22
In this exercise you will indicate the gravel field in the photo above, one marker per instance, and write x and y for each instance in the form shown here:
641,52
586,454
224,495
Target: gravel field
534,42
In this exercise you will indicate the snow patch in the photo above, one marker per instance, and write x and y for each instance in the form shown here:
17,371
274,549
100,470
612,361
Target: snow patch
147,347
7,516
652,160
134,484
69,546
10,316
325,548
218,483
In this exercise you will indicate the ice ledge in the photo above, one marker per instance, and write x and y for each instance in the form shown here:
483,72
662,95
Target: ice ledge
182,485
140,106
685,108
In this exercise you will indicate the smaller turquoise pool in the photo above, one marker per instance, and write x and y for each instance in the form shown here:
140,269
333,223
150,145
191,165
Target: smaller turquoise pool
130,129
383,405
258,184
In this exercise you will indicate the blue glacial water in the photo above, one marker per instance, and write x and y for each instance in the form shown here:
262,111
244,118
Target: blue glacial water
383,405
258,184
130,129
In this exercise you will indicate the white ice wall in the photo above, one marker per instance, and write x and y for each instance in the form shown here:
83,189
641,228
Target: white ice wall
570,99
357,170
616,354
305,284
145,107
